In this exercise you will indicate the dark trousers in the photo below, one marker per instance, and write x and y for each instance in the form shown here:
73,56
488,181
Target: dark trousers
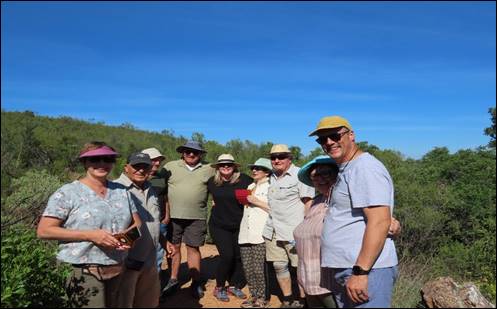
230,264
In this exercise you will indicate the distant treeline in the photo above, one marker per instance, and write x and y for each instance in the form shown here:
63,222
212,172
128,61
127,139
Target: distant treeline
445,202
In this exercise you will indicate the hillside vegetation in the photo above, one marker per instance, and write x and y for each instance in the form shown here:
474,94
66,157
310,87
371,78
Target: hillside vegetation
445,202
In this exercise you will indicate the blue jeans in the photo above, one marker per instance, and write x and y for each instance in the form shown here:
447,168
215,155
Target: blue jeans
160,250
380,287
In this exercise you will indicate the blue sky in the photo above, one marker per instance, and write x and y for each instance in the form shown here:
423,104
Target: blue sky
409,76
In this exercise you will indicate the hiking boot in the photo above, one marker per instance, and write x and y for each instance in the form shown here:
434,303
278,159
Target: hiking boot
197,290
170,288
221,294
236,292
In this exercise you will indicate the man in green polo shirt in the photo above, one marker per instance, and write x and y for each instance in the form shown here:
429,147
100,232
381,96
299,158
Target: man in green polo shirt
186,202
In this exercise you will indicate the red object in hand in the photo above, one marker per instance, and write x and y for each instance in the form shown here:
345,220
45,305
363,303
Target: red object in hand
241,196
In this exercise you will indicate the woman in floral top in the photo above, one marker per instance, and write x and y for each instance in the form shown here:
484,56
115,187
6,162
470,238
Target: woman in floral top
84,216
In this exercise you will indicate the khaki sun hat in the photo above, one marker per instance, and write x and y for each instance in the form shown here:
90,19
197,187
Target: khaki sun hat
225,158
153,153
280,148
331,122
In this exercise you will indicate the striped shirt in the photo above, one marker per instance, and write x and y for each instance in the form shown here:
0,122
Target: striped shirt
308,244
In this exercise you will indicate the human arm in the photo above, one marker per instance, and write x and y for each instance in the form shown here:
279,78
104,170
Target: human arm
51,228
307,203
378,221
257,202
167,214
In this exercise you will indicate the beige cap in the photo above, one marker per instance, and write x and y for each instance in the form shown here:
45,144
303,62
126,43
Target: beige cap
331,122
153,153
280,148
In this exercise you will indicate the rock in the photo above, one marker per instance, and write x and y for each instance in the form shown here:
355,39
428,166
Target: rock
445,293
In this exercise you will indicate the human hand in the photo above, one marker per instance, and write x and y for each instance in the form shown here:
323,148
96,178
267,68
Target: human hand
170,250
104,239
357,288
395,228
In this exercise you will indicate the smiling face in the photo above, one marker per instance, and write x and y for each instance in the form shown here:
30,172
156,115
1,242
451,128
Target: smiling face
191,157
323,177
281,163
137,173
226,170
155,165
338,143
259,173
99,166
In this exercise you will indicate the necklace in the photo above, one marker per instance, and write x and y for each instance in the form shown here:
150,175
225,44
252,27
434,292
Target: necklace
351,158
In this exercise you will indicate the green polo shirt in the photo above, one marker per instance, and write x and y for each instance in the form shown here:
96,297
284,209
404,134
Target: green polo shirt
187,190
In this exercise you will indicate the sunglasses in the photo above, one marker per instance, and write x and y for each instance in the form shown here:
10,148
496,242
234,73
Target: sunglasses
279,157
333,136
259,169
225,165
194,152
141,166
101,159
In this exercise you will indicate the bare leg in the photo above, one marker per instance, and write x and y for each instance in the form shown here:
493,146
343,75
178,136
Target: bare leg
193,258
176,262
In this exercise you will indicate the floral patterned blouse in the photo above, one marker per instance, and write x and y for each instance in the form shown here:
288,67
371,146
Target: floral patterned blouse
80,208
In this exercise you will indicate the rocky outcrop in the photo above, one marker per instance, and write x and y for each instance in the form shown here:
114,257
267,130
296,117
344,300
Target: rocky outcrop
445,293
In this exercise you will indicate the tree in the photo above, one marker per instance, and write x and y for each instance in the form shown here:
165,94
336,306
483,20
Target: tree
490,131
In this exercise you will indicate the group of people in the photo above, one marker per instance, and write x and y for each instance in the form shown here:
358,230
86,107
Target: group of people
326,228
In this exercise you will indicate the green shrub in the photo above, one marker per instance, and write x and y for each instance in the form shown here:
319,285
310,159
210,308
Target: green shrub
30,275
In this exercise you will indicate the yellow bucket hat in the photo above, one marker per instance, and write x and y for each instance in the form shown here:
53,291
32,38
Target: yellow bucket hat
331,122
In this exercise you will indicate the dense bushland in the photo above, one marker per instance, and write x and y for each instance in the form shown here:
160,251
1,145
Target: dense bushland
445,202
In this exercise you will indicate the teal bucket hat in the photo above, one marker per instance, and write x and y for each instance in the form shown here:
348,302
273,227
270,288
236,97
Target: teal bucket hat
262,162
305,170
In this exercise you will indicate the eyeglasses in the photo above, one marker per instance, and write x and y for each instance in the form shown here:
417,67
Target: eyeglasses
228,165
279,157
101,159
333,136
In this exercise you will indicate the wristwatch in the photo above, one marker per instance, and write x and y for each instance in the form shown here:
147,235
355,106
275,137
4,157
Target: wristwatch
358,271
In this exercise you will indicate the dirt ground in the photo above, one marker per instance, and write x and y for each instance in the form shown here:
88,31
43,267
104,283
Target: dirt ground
183,299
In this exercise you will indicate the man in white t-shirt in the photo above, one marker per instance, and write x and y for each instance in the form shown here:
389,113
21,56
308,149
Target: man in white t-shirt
358,258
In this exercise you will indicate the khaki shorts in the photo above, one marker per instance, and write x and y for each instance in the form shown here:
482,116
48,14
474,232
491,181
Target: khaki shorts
281,251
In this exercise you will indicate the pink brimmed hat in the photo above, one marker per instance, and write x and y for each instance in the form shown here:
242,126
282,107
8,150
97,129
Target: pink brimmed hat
102,151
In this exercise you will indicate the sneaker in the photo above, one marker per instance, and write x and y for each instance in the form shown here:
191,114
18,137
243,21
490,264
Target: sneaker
197,290
220,294
254,303
236,292
296,304
249,303
170,288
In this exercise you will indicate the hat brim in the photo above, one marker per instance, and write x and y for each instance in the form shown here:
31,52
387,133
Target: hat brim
304,171
225,162
180,149
251,166
102,151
